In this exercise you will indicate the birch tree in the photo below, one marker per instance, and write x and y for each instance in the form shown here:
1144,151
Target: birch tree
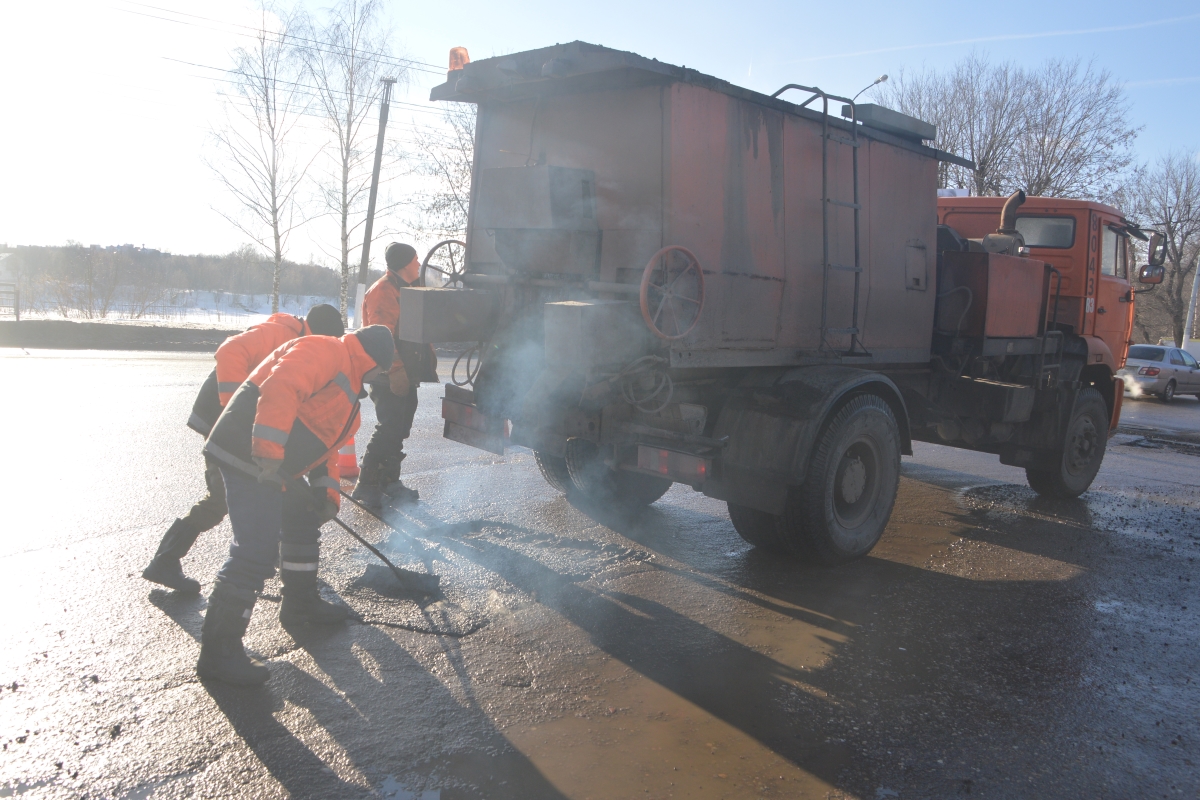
344,65
446,157
262,161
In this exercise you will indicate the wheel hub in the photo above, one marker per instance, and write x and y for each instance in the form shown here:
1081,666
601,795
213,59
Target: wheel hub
1083,445
854,479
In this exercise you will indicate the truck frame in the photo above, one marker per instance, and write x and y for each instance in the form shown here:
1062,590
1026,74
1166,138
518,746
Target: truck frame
669,278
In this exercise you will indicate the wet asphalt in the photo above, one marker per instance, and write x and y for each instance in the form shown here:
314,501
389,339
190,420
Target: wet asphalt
992,645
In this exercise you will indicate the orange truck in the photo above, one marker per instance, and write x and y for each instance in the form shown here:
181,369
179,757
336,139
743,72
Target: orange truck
672,279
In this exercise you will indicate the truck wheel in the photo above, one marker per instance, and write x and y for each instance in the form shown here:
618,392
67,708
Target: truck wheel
841,509
554,470
757,527
596,481
1169,393
1069,473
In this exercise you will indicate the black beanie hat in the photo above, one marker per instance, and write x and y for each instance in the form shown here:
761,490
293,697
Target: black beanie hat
325,320
399,255
377,341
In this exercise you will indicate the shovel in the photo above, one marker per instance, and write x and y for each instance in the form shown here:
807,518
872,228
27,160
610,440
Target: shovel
411,582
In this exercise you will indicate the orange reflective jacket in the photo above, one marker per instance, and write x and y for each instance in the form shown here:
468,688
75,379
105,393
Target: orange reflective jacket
239,355
299,405
381,306
381,303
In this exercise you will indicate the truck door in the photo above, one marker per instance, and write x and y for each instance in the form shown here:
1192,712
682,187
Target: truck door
1113,299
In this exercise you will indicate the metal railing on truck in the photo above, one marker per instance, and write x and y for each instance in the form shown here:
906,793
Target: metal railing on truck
856,347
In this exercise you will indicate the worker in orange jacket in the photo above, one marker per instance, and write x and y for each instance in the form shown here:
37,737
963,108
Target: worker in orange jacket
276,447
395,395
236,359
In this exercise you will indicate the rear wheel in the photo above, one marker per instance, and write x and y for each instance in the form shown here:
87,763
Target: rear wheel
1169,393
757,527
597,481
554,470
843,506
1071,471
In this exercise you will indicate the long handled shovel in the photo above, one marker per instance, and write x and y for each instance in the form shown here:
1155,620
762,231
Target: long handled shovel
413,582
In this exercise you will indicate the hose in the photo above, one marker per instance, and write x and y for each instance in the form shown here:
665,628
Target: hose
970,300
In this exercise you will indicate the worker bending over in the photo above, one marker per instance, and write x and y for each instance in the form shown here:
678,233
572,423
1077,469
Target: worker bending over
236,359
395,395
285,422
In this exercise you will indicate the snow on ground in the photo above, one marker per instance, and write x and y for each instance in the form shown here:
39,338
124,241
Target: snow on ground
185,307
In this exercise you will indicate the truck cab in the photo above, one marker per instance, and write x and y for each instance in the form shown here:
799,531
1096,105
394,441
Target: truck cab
1088,244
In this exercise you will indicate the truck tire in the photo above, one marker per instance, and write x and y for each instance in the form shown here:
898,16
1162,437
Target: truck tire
758,528
841,509
1069,472
554,470
596,481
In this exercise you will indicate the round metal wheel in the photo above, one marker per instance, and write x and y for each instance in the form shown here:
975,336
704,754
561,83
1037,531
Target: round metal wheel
444,265
1069,472
841,509
597,482
672,293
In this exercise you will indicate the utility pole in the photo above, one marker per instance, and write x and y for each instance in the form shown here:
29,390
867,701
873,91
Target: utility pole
1191,315
366,248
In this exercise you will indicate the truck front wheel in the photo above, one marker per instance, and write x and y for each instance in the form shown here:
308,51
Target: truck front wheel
596,481
1069,472
841,509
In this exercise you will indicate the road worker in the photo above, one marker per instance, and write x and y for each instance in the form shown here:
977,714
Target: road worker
276,446
236,359
395,395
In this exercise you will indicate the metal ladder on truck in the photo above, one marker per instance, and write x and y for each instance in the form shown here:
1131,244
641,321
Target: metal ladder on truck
856,347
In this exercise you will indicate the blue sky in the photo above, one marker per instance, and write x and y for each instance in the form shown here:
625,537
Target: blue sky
103,135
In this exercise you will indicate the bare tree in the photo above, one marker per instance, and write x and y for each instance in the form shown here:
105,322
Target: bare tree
1075,137
345,65
976,107
1061,130
263,168
446,158
1168,199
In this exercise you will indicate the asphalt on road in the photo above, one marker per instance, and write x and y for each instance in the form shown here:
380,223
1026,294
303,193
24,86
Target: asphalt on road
993,643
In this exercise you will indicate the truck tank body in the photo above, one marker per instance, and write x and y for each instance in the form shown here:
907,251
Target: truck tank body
679,158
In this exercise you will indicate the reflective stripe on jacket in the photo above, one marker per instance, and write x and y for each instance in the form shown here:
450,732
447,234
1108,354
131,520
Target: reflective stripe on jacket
239,355
381,306
299,405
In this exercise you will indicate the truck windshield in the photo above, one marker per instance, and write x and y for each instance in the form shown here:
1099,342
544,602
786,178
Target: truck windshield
1144,353
1047,231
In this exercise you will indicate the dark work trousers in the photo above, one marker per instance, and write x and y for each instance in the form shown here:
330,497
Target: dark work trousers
385,451
262,515
205,515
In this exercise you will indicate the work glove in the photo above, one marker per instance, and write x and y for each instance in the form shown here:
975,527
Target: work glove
326,509
270,469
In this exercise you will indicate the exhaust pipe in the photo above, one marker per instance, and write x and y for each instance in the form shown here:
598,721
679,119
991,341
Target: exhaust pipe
1008,215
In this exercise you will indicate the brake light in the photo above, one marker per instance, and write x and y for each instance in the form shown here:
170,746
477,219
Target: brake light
1151,371
681,467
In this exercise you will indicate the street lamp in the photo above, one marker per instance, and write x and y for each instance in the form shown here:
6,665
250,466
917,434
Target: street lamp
876,82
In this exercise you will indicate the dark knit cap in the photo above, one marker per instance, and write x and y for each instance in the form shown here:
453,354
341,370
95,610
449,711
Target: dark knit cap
377,341
399,255
325,320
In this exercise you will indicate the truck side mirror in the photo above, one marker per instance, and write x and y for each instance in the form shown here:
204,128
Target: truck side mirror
1156,253
1152,274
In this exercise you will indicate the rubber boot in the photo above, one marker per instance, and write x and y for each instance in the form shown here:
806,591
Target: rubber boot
165,569
395,493
222,657
302,602
367,490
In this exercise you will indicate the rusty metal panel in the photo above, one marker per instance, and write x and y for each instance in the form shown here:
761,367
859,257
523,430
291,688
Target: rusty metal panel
433,316
726,204
901,220
983,294
615,133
